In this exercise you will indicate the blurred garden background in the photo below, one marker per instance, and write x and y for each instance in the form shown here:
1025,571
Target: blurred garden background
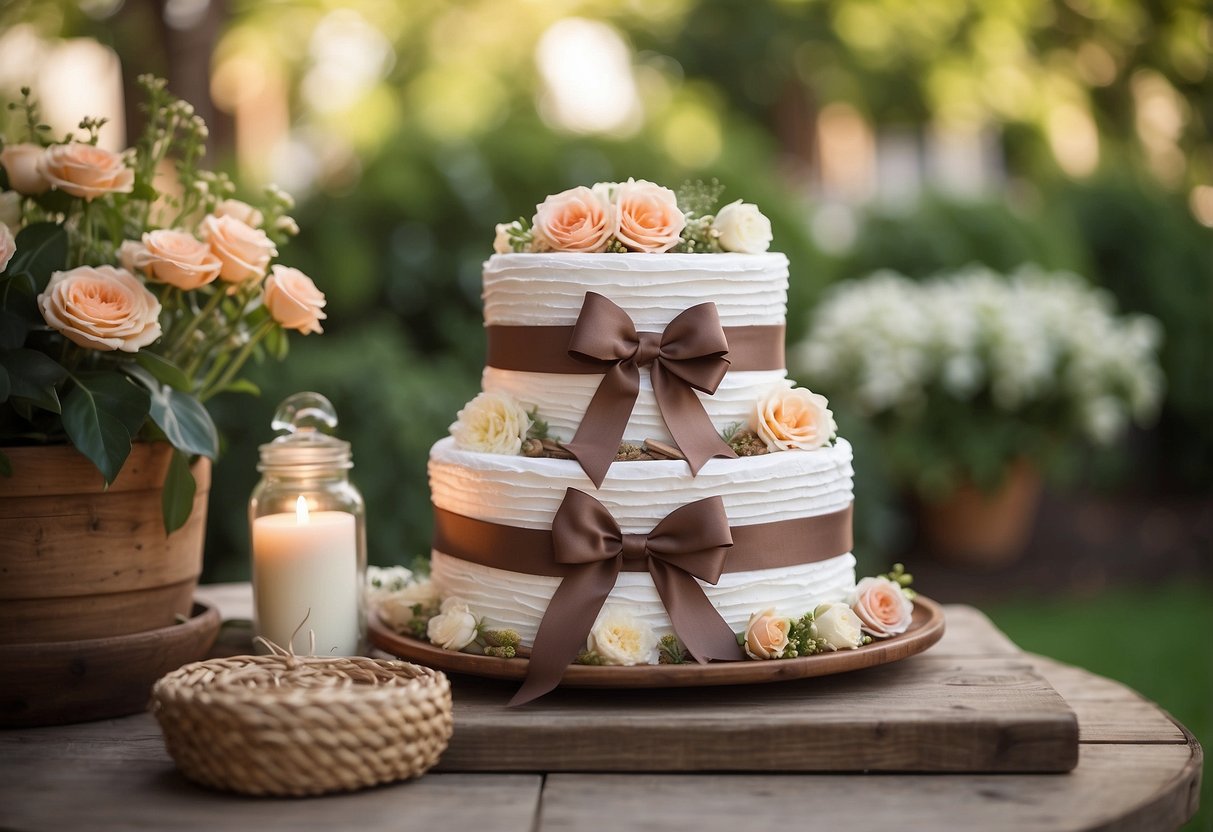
942,137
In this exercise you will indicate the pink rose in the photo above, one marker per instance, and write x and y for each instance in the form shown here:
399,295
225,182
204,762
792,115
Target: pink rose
20,162
8,246
649,217
882,607
242,211
177,258
766,636
794,418
101,308
244,252
294,301
85,170
575,220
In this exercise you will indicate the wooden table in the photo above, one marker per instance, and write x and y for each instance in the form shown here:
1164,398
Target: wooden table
1138,769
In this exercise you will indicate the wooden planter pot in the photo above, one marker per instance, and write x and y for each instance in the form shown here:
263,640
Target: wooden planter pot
973,528
80,561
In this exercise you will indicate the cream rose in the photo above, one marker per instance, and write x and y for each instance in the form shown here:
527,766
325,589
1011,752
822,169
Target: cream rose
787,419
492,423
242,211
838,625
741,227
101,308
396,607
244,252
766,636
10,209
85,170
294,301
454,627
575,220
176,258
502,242
882,607
620,638
20,162
649,217
8,246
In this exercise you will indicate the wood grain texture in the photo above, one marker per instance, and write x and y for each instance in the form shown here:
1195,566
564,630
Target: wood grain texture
1114,787
72,681
923,714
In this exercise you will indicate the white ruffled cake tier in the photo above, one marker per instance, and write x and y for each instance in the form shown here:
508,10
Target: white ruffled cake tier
526,492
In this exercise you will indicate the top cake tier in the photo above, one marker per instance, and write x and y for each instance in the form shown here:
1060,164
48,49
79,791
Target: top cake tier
549,289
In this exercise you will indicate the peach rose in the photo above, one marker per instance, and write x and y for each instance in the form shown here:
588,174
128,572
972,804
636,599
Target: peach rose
20,162
766,636
101,308
8,246
882,607
575,220
794,418
85,170
244,252
294,301
176,258
132,256
242,211
649,217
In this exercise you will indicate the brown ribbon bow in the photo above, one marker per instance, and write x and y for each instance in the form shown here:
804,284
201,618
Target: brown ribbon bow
691,542
688,356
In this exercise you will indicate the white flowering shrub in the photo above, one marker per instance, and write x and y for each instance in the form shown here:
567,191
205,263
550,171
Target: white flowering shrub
965,372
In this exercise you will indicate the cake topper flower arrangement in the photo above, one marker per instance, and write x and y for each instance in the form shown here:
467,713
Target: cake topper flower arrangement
638,216
126,303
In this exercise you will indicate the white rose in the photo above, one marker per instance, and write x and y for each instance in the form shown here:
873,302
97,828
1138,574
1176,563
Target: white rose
622,639
838,625
492,423
742,228
10,209
454,628
8,246
501,243
396,606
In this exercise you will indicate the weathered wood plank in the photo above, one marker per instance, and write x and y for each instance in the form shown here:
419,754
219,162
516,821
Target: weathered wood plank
922,714
1114,787
1107,711
970,633
123,794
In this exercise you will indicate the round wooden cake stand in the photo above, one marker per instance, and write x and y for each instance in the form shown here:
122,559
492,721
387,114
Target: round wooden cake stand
925,630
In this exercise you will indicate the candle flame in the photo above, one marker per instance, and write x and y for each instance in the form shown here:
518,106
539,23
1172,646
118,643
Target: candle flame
301,511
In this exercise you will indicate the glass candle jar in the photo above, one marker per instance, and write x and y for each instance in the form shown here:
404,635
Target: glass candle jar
309,536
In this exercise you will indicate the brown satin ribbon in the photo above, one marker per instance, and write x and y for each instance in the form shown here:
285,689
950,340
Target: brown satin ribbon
545,349
688,356
531,551
691,542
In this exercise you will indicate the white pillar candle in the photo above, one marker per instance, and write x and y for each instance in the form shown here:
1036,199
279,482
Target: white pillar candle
305,564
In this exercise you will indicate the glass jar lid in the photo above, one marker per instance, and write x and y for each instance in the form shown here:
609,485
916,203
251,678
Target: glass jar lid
306,419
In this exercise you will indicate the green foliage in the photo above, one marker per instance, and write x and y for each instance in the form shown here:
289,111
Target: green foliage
102,412
177,499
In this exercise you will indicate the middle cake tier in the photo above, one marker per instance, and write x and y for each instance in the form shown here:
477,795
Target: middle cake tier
775,491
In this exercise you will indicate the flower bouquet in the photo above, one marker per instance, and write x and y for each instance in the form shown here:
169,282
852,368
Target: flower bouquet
133,289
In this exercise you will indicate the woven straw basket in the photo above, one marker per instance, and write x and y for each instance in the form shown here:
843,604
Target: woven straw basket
288,725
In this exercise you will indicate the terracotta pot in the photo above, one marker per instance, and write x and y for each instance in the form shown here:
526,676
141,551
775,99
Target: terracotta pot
974,528
80,561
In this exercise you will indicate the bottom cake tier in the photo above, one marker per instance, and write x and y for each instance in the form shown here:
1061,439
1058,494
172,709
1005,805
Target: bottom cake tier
525,493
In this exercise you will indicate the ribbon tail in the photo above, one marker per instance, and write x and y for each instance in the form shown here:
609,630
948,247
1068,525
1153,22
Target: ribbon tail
565,626
696,622
687,421
596,442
